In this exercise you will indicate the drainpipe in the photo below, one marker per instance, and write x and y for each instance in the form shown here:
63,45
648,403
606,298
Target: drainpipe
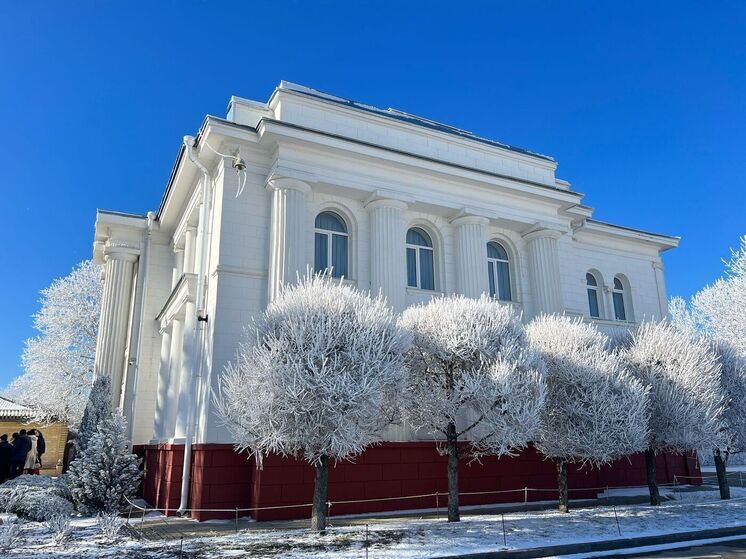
196,346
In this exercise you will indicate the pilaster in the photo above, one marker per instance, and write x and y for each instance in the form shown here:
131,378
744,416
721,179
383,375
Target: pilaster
471,254
288,231
119,271
544,269
388,274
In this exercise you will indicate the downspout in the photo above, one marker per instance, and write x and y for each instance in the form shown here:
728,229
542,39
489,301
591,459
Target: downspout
189,144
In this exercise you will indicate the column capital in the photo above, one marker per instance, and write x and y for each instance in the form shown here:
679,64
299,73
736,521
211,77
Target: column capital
470,220
276,182
657,266
542,231
114,250
384,199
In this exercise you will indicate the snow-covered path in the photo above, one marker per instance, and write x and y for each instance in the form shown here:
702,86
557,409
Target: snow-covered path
413,538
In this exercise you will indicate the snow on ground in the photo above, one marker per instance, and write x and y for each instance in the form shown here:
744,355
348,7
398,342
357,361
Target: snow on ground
408,538
730,468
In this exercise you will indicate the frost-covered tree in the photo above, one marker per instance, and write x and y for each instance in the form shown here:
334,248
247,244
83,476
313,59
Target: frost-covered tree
732,385
686,401
473,376
97,408
318,377
596,411
106,472
718,310
62,355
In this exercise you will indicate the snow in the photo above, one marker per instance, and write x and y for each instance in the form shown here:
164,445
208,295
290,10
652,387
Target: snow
414,538
730,468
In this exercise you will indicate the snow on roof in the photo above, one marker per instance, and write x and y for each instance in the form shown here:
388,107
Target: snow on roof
9,408
406,117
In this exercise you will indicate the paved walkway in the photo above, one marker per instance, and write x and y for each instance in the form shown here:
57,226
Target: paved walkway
174,528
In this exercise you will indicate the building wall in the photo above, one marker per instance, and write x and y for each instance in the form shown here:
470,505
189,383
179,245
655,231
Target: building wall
408,475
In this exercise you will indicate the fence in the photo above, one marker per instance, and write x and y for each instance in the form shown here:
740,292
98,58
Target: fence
361,524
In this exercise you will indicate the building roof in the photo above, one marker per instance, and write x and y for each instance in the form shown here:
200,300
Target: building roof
11,409
406,117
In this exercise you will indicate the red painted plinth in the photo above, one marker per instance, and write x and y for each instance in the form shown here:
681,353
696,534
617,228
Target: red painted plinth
223,479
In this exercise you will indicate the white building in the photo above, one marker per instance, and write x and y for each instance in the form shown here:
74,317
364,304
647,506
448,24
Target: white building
393,202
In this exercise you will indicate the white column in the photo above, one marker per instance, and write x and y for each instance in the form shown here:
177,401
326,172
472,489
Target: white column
178,266
471,255
171,402
119,270
388,271
161,402
544,270
190,250
288,232
188,362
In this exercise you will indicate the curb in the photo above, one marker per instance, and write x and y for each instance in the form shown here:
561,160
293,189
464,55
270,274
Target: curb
605,545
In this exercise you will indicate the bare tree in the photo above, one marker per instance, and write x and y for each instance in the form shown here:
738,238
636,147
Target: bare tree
596,411
472,375
62,355
319,376
686,401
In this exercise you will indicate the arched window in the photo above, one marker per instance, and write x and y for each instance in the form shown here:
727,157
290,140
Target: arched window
594,309
331,245
420,260
618,296
498,271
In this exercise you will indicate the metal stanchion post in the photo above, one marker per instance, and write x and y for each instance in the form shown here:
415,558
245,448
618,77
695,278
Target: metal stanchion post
525,498
617,522
437,505
181,546
505,539
366,541
236,520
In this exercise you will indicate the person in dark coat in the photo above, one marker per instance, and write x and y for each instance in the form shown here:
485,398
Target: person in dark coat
41,447
21,447
6,451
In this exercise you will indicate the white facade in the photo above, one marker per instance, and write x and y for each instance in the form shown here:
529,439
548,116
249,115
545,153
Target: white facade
378,173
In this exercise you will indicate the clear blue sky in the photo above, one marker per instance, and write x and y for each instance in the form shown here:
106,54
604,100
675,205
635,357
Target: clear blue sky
643,104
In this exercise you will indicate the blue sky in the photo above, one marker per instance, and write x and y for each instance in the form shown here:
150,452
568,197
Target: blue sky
642,104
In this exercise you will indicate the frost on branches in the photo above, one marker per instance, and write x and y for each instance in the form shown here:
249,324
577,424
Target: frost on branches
719,309
686,402
318,377
106,471
97,408
63,353
472,375
595,412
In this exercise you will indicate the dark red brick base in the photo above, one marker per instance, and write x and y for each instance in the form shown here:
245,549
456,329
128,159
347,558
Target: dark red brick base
223,479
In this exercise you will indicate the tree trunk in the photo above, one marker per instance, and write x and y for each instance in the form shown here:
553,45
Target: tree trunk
564,501
655,497
318,515
453,512
722,474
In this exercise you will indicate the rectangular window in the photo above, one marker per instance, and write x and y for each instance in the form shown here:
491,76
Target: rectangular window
619,306
320,253
339,256
411,267
503,279
593,303
491,277
427,270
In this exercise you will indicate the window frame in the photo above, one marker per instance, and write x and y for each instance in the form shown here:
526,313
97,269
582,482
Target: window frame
418,260
622,297
596,290
329,234
493,272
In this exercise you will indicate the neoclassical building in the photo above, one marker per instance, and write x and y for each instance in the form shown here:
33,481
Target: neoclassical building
386,200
